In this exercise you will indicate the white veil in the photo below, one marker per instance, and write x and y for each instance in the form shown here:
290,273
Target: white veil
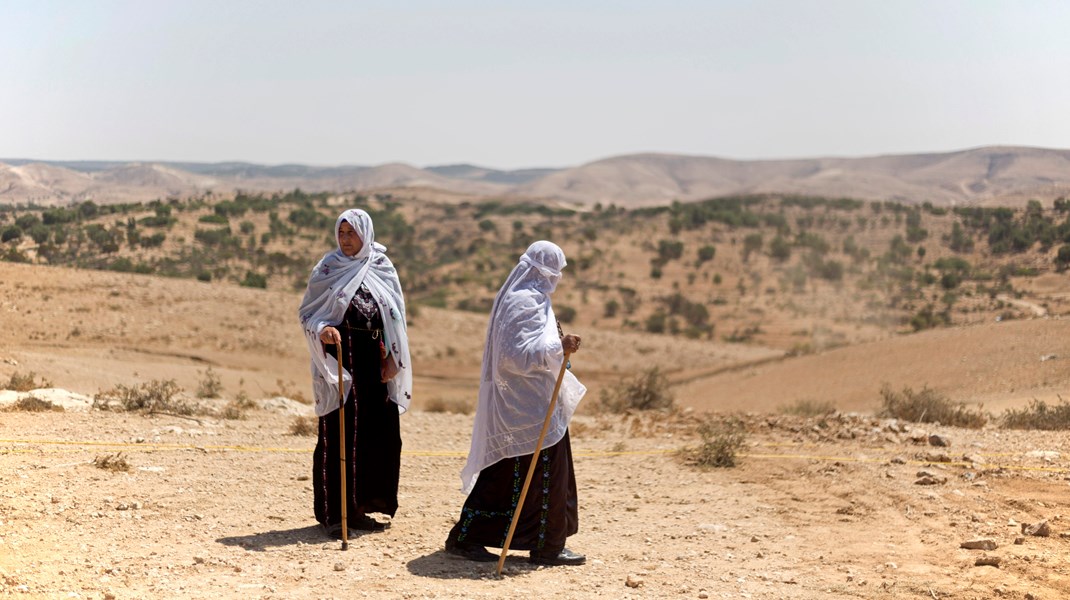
521,360
334,281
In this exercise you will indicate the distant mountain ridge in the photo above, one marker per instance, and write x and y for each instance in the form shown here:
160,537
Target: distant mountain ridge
990,175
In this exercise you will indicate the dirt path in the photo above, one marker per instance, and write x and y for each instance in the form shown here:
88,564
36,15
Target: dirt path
222,509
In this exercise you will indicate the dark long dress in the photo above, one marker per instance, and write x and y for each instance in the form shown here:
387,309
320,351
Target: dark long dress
373,433
550,510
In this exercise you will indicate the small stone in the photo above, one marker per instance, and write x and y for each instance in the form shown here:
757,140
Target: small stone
339,566
198,560
898,460
979,544
939,440
633,581
703,594
1019,540
987,561
1040,529
930,481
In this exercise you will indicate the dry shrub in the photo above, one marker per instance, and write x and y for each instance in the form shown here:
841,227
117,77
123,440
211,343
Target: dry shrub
649,390
721,442
284,390
33,404
211,386
151,397
25,383
233,411
304,426
452,405
809,408
1038,416
115,463
928,406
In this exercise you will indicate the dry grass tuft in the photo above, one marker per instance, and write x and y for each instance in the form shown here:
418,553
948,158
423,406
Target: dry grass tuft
721,442
25,383
33,404
152,397
115,463
1039,415
649,390
928,406
808,408
304,426
211,386
454,406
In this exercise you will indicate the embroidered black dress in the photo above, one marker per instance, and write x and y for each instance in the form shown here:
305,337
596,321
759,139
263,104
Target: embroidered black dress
373,433
550,511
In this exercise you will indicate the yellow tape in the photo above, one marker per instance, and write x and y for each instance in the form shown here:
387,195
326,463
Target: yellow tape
458,454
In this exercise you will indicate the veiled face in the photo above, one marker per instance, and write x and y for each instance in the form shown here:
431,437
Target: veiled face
348,239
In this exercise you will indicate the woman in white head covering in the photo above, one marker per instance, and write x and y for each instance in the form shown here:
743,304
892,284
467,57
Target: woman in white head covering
522,357
354,302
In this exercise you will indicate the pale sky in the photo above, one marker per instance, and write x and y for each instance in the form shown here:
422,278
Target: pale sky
512,84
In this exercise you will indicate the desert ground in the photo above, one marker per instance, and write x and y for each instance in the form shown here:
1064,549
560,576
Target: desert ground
844,505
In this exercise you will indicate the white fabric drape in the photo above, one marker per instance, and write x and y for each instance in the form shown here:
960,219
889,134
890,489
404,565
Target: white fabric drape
521,360
334,281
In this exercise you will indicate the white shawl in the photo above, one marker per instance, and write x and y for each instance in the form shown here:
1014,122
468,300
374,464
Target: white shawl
521,360
334,281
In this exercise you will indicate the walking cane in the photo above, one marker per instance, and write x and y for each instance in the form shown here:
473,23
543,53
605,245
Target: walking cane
531,467
342,447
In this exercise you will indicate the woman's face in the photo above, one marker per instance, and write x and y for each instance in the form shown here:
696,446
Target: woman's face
348,240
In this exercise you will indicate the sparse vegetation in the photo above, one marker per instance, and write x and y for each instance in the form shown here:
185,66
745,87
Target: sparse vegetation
929,406
809,408
649,390
25,382
721,442
152,397
455,406
31,403
115,463
304,426
210,385
1038,415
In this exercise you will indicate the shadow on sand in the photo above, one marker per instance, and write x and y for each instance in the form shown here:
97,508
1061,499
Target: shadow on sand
440,565
259,542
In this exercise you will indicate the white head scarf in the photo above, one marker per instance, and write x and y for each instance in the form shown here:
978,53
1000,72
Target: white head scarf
334,281
521,360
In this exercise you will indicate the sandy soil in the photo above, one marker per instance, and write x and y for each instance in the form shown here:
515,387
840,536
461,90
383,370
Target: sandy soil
817,508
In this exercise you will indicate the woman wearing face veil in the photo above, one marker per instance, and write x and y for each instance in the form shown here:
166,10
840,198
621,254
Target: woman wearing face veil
522,357
354,302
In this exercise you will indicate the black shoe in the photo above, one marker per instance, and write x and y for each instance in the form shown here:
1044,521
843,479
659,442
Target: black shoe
366,523
333,531
562,557
469,551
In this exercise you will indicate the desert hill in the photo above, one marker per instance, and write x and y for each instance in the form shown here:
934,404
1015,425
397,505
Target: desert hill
833,506
86,331
987,176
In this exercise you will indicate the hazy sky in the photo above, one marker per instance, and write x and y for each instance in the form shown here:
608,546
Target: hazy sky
520,84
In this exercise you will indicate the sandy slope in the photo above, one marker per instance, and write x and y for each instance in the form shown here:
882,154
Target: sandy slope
825,508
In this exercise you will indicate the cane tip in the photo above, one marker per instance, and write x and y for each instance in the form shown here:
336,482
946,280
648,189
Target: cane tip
345,546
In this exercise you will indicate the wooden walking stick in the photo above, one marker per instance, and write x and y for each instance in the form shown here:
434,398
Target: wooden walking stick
342,447
531,466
